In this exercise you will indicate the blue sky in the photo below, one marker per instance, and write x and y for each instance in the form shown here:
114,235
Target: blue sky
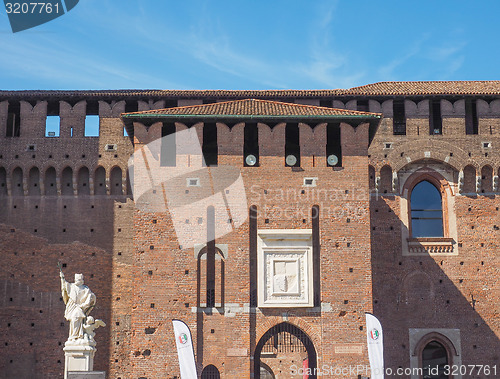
104,44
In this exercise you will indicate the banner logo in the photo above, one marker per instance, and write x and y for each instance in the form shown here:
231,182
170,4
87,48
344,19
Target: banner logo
28,14
374,334
183,338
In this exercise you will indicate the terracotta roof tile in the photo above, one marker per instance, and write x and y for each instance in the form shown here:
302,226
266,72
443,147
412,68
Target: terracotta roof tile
490,87
251,107
486,87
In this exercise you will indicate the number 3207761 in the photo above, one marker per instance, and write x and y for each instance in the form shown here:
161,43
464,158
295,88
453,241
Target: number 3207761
23,8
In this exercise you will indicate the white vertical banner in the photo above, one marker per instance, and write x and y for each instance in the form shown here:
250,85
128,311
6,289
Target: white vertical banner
375,341
185,350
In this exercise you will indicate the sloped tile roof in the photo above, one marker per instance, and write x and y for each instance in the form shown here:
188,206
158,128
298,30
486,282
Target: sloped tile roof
420,88
251,107
463,88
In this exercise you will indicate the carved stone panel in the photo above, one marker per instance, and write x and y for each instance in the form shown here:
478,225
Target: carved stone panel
285,268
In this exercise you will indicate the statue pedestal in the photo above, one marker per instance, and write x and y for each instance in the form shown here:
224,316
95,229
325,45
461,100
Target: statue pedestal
78,358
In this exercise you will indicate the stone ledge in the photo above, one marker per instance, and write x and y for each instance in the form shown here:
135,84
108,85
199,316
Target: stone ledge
431,245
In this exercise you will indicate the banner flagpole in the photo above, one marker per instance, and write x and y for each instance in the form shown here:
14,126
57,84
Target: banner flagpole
375,342
185,350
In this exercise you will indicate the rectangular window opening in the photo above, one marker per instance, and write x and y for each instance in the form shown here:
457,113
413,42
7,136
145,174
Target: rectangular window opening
52,126
210,148
435,120
251,145
292,145
168,145
14,120
399,117
333,145
471,120
91,126
363,106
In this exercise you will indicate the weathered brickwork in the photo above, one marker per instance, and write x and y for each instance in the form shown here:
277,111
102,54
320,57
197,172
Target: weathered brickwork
68,199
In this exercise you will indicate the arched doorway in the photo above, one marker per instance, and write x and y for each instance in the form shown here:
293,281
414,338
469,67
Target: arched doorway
284,347
210,372
434,361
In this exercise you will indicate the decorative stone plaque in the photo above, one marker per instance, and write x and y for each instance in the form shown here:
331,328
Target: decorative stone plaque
285,268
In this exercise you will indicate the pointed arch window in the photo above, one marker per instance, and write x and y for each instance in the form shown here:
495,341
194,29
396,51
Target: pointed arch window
434,361
426,211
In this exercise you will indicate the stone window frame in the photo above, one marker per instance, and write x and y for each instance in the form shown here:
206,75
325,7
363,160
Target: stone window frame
446,245
301,241
448,338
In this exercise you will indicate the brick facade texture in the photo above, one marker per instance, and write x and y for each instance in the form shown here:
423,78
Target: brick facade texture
143,278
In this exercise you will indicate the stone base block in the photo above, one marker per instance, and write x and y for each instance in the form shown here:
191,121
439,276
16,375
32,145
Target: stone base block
86,375
78,358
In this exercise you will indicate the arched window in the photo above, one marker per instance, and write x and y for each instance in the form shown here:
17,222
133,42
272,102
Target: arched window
426,211
210,372
434,360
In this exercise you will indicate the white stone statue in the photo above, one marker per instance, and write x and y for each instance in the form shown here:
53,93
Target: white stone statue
79,301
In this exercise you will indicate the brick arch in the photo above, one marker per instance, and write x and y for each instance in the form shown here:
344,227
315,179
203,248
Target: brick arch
438,337
385,185
406,283
301,334
486,173
298,322
440,151
440,182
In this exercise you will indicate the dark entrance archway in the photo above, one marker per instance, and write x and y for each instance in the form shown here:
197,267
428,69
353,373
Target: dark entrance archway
435,361
285,338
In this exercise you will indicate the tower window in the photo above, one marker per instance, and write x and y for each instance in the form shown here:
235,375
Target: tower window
426,211
210,149
363,106
471,120
14,120
251,145
399,117
333,145
292,145
168,145
435,120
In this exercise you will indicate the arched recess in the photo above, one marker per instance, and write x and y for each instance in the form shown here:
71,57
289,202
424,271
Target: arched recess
210,372
285,341
50,182
433,342
34,182
418,294
67,182
211,276
3,182
115,179
83,181
469,185
100,181
486,179
385,179
17,182
371,177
